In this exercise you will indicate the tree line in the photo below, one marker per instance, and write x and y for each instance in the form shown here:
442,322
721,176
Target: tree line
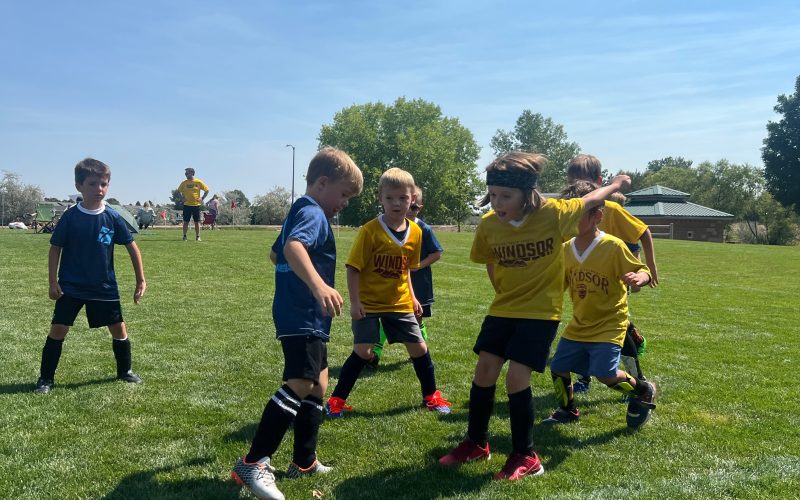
442,155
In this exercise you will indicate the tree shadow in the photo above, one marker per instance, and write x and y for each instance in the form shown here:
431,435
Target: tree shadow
146,485
28,387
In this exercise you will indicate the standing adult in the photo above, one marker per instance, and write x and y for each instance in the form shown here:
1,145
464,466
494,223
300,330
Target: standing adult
190,191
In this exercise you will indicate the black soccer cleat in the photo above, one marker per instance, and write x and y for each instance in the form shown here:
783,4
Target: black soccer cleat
43,386
129,377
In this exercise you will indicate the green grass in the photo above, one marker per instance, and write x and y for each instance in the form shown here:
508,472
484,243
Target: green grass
723,346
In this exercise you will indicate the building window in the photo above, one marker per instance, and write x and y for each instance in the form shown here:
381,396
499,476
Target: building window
689,234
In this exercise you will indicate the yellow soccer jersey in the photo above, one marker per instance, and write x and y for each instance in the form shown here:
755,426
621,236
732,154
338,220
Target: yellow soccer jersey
383,263
528,259
190,189
620,223
599,296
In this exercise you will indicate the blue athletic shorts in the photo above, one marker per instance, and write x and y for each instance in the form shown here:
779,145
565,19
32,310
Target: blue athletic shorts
598,359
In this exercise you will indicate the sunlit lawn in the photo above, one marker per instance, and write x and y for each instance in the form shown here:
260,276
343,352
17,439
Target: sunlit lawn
723,345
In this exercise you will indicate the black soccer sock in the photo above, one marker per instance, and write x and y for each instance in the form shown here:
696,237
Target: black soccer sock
423,366
51,353
306,431
281,409
351,369
640,387
122,353
481,406
520,407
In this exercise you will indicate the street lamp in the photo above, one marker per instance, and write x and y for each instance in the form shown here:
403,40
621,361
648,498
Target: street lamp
290,146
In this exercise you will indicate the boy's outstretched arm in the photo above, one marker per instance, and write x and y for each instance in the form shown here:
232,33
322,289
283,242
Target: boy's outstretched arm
354,288
138,269
52,272
650,256
328,298
598,196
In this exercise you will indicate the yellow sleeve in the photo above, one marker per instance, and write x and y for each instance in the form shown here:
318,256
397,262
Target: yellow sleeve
203,186
414,262
481,253
360,251
628,263
570,215
180,186
620,223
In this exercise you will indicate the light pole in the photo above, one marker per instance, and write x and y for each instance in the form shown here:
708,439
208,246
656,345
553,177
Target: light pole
290,146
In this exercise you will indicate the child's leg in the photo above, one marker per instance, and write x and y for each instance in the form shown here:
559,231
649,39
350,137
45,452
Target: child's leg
520,406
423,366
351,369
630,353
121,346
278,414
51,353
481,396
306,424
377,349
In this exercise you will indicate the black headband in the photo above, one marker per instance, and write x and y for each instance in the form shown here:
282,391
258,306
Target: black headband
524,179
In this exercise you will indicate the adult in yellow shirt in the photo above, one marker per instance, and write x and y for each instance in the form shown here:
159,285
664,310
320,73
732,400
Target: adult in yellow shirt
190,192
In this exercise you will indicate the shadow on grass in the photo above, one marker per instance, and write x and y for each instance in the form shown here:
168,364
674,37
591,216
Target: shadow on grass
428,482
146,485
24,388
367,372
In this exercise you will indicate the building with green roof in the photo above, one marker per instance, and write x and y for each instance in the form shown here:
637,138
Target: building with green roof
671,215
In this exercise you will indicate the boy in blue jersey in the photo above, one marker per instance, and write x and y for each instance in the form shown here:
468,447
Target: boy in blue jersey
81,272
304,304
422,278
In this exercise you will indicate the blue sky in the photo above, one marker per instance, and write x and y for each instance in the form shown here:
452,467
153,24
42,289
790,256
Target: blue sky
154,87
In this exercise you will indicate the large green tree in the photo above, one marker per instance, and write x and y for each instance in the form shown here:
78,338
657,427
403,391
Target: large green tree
781,151
538,134
678,161
413,135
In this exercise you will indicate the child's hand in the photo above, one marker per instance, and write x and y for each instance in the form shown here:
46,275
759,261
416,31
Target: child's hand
622,181
139,292
636,279
653,276
329,300
417,308
357,310
55,291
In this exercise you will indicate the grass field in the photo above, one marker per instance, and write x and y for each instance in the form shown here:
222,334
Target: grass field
723,346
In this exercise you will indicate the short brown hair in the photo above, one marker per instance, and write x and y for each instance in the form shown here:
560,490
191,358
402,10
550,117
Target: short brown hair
579,189
584,168
524,165
88,167
418,192
189,170
336,165
396,178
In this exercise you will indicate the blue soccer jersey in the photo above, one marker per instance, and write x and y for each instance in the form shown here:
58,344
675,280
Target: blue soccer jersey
295,311
422,279
87,239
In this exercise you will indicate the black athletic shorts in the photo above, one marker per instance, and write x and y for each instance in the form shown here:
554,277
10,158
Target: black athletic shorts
426,311
191,213
98,312
525,341
304,356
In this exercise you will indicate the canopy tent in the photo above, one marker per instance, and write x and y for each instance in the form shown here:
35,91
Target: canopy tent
133,226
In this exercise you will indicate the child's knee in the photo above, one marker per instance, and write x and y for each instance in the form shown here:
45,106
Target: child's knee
363,351
416,350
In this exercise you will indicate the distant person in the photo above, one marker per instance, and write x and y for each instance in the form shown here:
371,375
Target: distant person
145,215
618,222
520,242
598,269
213,210
82,253
422,278
381,295
303,306
190,192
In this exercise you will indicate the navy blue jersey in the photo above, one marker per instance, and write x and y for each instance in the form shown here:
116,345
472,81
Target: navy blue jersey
87,239
422,280
295,311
